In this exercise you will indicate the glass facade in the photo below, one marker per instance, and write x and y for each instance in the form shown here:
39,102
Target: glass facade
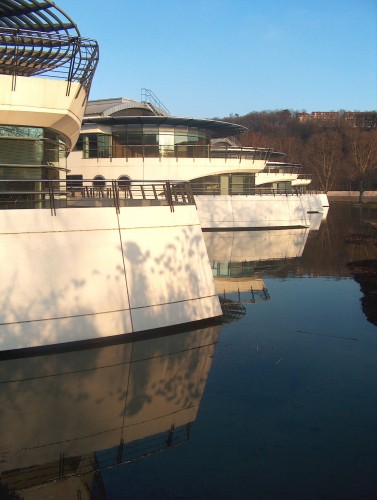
30,152
27,156
225,184
146,141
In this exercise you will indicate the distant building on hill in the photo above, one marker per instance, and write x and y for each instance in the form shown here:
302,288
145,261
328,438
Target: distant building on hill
362,119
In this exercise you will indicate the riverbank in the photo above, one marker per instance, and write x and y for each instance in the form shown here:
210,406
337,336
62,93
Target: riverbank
368,196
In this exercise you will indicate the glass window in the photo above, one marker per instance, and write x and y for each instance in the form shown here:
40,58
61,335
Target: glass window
120,138
103,143
31,145
99,181
79,144
92,145
95,145
203,137
242,184
150,134
166,141
151,138
124,182
209,184
16,131
134,135
181,135
193,135
74,182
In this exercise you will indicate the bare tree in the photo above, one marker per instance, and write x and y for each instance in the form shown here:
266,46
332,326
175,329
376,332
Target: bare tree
362,147
323,157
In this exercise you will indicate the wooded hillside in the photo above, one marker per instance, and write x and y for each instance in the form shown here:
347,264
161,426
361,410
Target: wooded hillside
339,154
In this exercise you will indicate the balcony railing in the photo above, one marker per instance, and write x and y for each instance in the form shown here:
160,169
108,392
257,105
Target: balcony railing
55,194
215,189
304,176
177,151
279,170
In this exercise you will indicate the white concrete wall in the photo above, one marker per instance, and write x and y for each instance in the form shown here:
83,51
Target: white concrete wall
42,102
220,212
87,273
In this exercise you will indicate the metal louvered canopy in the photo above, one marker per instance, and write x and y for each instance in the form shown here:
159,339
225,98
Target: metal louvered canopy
37,38
36,15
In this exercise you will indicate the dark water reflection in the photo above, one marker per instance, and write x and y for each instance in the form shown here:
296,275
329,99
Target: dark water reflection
281,403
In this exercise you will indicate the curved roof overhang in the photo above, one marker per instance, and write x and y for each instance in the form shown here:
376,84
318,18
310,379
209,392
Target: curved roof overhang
217,128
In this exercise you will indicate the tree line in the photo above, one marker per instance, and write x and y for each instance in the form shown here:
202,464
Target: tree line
337,154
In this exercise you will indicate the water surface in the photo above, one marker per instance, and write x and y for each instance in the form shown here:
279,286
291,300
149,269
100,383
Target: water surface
278,402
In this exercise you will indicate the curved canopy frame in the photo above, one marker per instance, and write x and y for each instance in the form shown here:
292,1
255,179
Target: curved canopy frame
38,38
36,15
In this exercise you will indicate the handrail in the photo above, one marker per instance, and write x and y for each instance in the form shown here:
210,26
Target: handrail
149,97
305,176
175,151
66,193
280,170
116,196
52,198
214,189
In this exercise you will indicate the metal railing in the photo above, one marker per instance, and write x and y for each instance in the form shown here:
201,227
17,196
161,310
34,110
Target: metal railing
177,151
214,188
280,170
150,98
55,194
304,176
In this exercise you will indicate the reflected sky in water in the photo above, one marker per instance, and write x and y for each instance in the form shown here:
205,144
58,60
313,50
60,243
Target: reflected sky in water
281,403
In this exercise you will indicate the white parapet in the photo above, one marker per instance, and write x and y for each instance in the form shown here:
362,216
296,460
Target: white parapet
89,273
42,102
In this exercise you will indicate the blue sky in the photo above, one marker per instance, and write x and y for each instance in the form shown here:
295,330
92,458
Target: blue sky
213,58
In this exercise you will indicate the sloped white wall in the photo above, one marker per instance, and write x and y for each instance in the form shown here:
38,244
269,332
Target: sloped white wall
85,274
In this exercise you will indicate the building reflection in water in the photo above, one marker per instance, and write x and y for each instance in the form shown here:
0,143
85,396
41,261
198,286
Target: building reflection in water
239,259
70,415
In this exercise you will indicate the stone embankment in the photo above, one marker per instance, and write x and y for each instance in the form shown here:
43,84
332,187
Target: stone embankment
368,196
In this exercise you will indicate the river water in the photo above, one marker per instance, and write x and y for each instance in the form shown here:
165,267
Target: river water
280,401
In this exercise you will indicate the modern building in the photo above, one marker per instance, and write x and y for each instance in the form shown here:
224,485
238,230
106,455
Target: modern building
46,70
234,186
360,119
91,265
